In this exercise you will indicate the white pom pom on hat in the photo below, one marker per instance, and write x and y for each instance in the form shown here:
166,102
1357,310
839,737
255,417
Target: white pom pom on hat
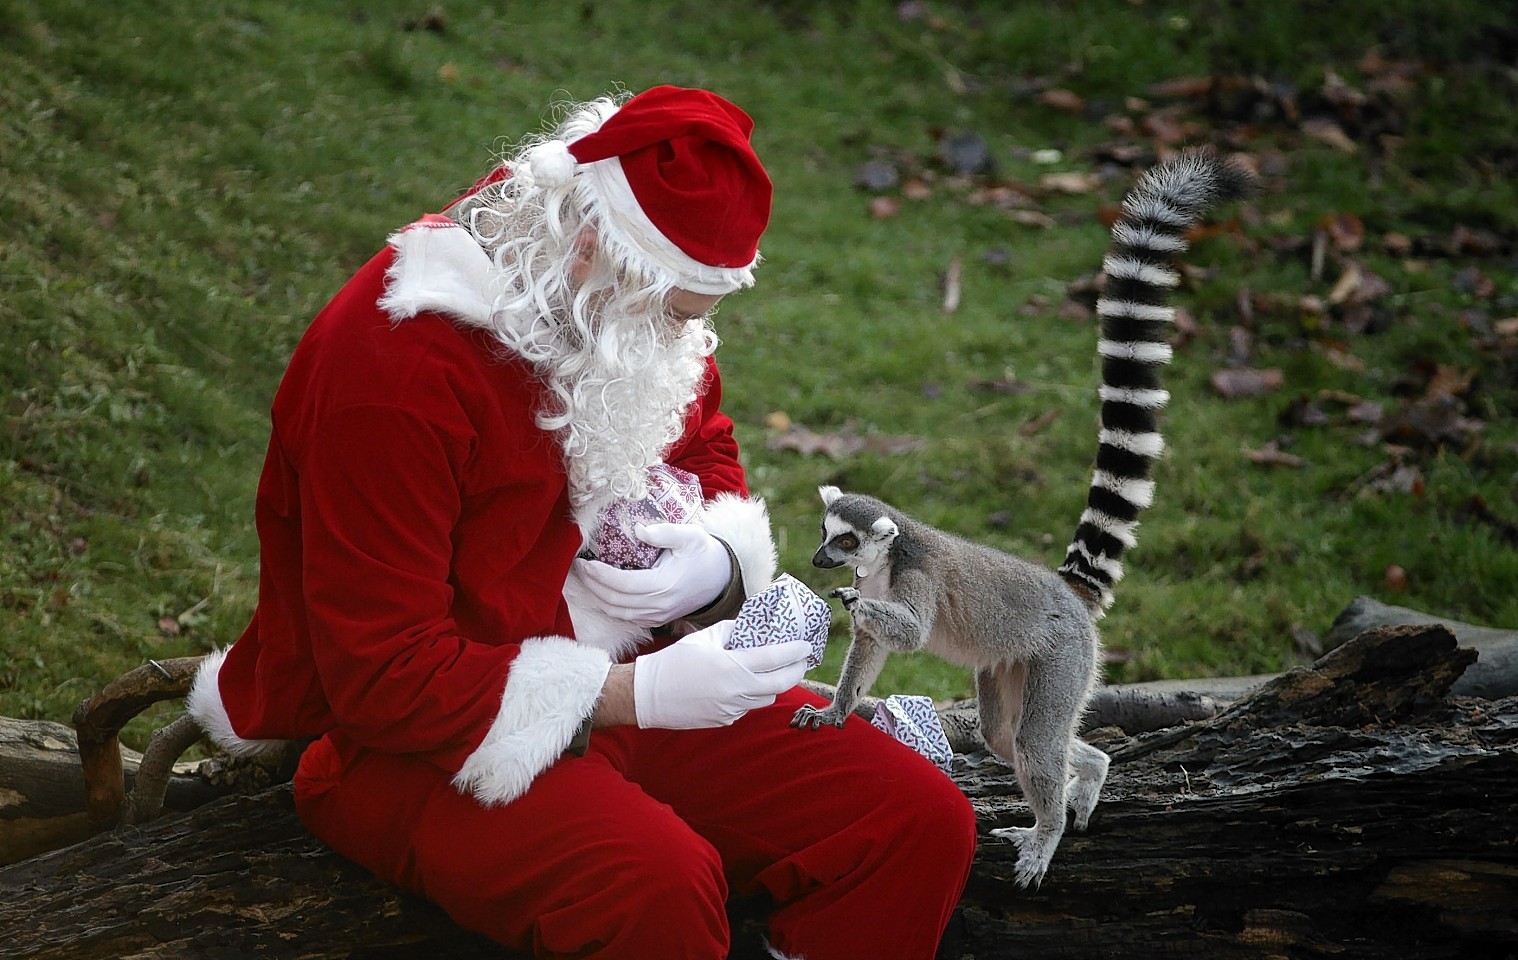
551,164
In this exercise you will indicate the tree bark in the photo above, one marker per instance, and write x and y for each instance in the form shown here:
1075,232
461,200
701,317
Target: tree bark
1351,809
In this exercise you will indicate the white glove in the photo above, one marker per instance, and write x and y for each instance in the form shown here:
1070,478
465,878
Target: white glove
692,572
694,683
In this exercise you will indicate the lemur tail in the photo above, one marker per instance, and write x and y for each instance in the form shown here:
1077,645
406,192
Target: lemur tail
1136,322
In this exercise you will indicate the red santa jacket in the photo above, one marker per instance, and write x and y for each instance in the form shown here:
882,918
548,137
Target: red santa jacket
416,535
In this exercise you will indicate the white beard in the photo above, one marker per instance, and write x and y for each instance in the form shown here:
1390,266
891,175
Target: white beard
622,402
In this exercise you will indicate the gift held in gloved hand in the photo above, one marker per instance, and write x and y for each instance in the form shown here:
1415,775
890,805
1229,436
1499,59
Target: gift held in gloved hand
785,610
674,496
914,722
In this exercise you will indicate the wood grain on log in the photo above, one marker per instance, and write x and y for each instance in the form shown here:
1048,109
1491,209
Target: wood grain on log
1348,810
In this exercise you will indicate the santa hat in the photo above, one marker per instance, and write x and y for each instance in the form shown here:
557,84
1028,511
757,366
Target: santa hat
676,181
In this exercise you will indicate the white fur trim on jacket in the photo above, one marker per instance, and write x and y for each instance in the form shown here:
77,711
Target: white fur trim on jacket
744,525
552,688
204,703
439,268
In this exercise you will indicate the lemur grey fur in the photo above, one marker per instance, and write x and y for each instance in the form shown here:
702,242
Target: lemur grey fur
1029,632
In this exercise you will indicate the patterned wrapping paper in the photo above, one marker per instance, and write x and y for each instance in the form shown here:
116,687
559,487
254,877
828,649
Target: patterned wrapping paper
914,722
785,610
674,496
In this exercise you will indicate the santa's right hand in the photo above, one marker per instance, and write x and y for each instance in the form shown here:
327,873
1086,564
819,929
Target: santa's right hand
694,683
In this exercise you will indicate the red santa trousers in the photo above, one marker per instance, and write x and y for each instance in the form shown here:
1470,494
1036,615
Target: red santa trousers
631,851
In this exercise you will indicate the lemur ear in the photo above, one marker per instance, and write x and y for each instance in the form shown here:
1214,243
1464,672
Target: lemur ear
829,494
883,527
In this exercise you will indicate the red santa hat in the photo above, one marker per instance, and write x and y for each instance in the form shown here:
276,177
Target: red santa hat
676,181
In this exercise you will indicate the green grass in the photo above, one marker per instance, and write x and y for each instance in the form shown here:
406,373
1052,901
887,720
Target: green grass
183,184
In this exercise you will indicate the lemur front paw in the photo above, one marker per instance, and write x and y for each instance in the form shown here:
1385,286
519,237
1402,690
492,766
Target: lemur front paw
812,718
848,596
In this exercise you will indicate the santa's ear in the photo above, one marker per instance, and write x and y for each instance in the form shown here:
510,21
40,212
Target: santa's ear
829,494
884,527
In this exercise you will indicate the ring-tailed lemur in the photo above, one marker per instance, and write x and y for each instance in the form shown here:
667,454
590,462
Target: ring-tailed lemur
1031,632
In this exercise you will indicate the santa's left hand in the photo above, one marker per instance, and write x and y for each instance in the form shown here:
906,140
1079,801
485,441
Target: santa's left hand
691,573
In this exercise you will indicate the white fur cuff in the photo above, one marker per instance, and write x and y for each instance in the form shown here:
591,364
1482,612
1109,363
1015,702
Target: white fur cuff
552,688
204,703
744,525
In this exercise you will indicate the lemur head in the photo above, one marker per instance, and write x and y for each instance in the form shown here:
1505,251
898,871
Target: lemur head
857,531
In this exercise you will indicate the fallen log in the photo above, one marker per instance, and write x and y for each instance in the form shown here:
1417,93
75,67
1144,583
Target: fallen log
42,788
1351,809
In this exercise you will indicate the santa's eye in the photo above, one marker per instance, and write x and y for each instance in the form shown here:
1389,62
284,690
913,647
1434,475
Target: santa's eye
847,542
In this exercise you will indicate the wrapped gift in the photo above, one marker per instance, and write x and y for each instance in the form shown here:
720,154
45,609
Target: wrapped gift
914,722
674,496
785,610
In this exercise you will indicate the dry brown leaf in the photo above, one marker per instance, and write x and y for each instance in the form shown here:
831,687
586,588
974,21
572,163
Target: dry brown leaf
1271,455
1507,327
1186,327
1063,100
1449,381
1241,382
1031,218
1395,578
1182,87
1476,243
1346,285
778,420
883,208
1345,230
1039,423
841,445
916,189
1166,126
1431,422
1339,355
1075,312
1001,195
1074,181
1329,132
1337,91
1121,125
1357,284
1473,281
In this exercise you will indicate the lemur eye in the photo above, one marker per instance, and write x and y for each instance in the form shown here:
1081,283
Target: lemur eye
847,542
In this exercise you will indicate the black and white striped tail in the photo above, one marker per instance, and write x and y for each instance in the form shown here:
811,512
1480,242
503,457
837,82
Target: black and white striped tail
1136,322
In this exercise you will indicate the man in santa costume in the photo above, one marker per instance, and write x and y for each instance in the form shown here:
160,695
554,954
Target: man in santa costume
496,722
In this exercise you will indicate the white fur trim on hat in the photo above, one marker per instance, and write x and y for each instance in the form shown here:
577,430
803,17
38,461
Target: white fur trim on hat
552,688
204,703
438,268
628,225
744,525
